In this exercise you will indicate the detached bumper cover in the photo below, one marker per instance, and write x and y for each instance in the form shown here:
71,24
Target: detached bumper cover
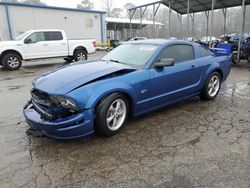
75,126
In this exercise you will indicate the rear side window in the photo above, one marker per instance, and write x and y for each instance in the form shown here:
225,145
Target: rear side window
178,52
53,35
204,51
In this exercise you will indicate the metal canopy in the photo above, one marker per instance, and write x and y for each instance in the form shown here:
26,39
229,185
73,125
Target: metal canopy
180,6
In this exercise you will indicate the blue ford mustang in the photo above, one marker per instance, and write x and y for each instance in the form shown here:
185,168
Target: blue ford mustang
133,79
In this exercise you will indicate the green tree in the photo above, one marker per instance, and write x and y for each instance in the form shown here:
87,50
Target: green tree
85,4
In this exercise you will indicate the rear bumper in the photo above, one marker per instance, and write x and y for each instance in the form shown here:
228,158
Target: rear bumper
72,127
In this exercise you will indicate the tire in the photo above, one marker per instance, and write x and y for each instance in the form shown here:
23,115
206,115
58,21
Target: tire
104,123
248,58
12,61
68,59
211,90
80,55
234,58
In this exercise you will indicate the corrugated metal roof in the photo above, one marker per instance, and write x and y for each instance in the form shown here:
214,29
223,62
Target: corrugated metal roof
180,6
51,7
133,21
124,23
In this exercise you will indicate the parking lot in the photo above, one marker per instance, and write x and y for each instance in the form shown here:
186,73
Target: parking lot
191,144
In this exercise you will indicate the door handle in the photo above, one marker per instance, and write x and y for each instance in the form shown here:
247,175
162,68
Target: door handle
193,66
45,44
63,43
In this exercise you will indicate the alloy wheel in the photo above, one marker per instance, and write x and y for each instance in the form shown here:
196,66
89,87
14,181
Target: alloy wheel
116,114
213,86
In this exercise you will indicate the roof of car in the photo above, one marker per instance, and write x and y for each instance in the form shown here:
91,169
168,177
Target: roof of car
162,41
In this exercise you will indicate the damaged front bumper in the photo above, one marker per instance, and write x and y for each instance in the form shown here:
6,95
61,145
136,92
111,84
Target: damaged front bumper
71,127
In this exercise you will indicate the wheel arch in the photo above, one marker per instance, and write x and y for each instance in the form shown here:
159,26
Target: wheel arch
10,51
80,48
126,94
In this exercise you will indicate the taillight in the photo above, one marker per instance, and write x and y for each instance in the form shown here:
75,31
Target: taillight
94,43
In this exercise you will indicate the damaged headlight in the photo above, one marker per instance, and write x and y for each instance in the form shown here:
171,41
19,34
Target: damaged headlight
65,102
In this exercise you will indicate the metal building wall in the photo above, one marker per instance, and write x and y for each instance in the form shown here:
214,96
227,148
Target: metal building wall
75,24
4,33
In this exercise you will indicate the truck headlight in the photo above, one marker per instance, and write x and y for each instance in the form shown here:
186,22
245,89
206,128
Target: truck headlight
65,102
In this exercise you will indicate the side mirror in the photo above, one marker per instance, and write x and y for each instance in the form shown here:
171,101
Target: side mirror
27,41
165,62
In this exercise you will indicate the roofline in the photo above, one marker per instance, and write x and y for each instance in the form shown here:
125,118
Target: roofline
51,7
144,5
165,3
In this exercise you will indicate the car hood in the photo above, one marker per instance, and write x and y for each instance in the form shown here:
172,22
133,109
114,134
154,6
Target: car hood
67,78
8,43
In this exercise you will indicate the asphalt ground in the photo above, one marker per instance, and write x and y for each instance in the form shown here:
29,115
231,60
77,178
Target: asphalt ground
190,144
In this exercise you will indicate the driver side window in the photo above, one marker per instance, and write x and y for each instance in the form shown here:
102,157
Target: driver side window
36,37
179,52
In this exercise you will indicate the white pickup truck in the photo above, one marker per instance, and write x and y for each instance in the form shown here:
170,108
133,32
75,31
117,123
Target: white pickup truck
43,44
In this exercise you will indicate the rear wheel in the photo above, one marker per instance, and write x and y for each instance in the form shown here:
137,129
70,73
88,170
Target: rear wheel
12,61
212,87
111,114
80,55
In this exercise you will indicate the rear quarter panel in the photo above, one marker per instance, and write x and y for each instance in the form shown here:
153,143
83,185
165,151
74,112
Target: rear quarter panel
87,44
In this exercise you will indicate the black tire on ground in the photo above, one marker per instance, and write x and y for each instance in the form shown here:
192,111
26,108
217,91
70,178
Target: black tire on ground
68,59
80,55
109,107
248,58
211,87
12,61
234,58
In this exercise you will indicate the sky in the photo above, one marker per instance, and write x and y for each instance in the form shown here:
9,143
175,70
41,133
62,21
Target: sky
98,3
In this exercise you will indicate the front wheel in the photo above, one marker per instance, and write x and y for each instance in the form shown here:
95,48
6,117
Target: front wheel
111,114
212,87
80,55
12,61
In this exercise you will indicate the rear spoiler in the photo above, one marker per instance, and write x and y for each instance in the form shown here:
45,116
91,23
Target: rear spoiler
219,51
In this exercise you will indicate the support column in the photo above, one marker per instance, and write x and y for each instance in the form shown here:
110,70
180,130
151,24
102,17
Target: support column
131,15
211,23
207,17
180,20
169,19
192,18
130,24
140,21
224,10
8,21
153,20
243,8
115,32
188,7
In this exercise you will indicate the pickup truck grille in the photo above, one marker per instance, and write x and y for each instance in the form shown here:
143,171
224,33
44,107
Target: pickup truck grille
47,108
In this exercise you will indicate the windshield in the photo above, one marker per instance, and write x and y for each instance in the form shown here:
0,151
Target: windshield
136,55
23,35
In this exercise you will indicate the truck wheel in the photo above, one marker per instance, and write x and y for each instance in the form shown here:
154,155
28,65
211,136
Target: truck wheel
68,59
12,61
80,55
